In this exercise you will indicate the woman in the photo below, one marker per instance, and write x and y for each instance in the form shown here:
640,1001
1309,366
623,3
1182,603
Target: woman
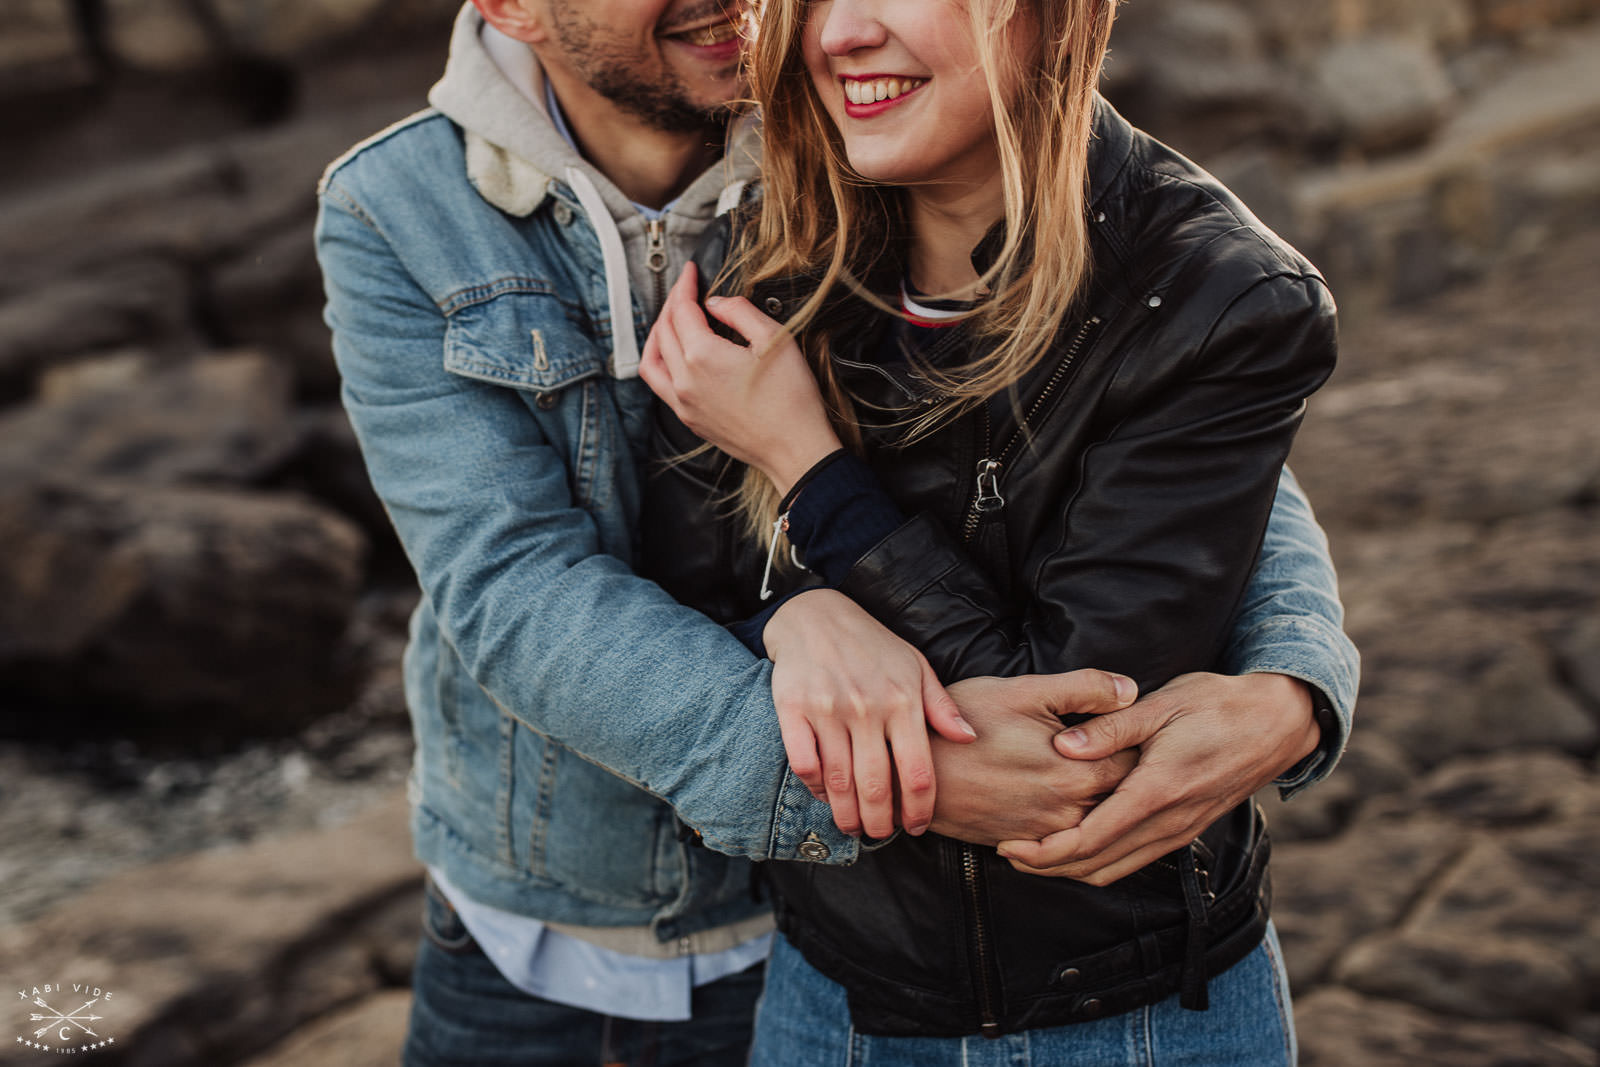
1087,421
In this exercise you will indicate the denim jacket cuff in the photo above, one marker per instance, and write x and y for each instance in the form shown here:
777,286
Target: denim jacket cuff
1309,649
803,828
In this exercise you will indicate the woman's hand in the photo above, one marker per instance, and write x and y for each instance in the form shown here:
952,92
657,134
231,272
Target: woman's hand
854,705
760,404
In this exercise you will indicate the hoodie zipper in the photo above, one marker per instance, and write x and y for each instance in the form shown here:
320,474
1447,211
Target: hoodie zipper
656,259
986,498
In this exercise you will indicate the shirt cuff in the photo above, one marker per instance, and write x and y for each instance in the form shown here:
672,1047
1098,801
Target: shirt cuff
839,511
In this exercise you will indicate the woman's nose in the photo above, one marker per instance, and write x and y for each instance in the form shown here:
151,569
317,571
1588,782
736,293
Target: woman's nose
849,26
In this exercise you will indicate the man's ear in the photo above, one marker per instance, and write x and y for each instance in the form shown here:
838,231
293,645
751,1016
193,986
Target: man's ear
518,19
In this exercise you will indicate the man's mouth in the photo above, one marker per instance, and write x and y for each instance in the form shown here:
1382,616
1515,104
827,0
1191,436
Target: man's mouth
872,90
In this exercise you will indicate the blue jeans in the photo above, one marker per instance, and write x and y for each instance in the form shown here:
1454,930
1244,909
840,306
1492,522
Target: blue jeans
465,1014
803,1021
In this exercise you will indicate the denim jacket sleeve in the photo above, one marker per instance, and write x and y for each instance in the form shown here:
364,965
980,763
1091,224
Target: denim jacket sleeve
561,635
1291,622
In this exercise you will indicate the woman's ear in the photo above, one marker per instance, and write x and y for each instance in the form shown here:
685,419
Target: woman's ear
519,19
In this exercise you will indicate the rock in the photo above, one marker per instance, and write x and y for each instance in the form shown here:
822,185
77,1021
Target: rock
370,1033
1509,931
1510,702
1520,17
216,956
131,302
1195,74
1466,974
202,204
223,419
40,49
1510,789
1372,767
1578,653
177,35
1382,93
1339,1028
197,612
1328,894
271,296
326,464
1534,885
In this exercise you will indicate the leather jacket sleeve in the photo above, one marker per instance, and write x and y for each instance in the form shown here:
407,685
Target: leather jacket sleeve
1143,567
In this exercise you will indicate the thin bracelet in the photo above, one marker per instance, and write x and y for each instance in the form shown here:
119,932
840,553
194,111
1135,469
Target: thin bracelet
805,479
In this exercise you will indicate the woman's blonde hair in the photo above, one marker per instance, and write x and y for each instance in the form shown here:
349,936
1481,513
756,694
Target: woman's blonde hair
821,220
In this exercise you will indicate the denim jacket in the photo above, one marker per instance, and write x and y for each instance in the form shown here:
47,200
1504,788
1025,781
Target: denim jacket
488,297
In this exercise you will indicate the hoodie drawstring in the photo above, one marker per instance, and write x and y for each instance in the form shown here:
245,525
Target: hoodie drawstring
624,345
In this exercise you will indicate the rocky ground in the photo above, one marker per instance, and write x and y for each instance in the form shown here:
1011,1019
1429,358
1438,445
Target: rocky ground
201,737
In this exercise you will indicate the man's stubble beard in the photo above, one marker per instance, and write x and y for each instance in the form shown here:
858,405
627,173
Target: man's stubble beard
662,103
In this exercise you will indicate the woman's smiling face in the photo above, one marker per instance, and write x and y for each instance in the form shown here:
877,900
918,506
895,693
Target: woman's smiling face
903,82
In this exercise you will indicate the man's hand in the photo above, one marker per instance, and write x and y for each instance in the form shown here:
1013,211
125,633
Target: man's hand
851,697
1010,782
1206,742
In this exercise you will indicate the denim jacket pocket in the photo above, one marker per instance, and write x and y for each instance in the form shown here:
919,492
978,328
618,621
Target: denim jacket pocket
521,337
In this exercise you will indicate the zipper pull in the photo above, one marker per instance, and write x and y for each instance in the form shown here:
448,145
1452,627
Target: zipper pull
778,527
656,259
989,498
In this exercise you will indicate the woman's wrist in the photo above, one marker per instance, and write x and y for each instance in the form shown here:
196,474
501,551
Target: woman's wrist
799,455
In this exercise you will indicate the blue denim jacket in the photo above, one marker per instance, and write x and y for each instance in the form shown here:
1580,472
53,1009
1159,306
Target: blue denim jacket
564,709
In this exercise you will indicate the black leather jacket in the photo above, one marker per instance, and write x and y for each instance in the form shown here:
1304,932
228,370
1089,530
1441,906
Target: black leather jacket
1118,530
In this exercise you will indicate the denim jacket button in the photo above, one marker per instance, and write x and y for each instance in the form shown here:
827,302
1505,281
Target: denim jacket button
563,213
815,851
546,401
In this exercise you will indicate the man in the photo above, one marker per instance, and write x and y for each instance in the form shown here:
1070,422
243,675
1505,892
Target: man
597,765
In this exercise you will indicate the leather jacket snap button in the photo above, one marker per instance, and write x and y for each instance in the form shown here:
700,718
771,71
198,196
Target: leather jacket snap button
773,306
1068,977
1091,1008
814,850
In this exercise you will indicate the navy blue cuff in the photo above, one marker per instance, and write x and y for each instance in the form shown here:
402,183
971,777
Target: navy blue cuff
841,513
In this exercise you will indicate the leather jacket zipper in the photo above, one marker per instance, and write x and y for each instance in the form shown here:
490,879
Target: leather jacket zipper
971,865
987,499
972,881
656,259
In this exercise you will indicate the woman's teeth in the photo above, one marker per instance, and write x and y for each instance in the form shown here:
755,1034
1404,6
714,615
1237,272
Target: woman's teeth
870,92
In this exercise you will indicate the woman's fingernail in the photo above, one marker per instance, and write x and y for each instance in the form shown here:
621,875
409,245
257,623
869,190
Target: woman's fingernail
713,301
966,727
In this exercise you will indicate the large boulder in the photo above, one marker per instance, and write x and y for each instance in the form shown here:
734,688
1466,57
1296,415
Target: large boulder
224,419
192,612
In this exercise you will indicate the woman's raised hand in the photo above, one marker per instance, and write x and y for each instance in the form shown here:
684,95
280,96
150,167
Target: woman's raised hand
758,403
854,705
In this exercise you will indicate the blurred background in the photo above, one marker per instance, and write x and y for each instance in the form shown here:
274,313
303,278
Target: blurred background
203,742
